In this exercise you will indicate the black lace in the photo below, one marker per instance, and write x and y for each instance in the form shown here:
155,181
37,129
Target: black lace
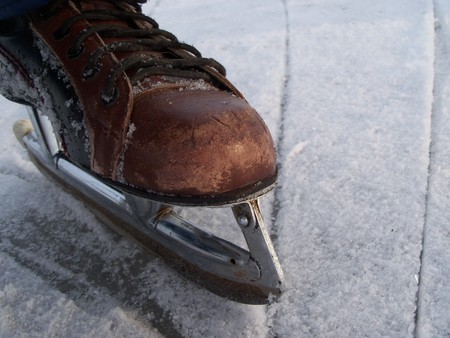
180,59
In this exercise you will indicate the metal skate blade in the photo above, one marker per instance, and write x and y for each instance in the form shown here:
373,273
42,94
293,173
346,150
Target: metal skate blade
249,276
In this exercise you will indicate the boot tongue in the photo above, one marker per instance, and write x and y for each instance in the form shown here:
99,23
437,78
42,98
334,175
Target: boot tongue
93,5
109,7
152,82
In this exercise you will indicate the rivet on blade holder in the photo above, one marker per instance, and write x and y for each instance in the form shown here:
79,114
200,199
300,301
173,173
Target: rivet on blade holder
244,215
243,221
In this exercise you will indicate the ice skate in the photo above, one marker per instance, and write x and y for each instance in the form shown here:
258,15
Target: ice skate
133,122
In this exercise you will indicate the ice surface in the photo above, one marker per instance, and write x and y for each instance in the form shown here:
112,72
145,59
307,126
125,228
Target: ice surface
360,101
434,293
355,93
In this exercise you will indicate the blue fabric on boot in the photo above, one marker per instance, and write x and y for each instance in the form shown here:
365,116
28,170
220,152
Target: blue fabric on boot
12,8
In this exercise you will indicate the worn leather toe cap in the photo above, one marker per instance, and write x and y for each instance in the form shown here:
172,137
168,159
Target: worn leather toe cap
196,143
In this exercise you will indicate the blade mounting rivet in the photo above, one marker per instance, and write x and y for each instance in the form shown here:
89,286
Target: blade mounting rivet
243,220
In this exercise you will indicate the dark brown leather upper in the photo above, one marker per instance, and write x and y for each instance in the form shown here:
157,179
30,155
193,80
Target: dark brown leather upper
169,138
106,124
197,142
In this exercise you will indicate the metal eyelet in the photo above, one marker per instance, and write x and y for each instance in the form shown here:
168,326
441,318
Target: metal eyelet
90,71
61,33
110,97
75,52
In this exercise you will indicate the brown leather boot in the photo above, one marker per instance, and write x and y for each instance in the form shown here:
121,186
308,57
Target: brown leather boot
135,105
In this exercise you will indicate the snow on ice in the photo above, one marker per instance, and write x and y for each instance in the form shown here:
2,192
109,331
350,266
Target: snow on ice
356,94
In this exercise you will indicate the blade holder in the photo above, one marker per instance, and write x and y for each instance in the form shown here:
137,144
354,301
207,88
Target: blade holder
249,217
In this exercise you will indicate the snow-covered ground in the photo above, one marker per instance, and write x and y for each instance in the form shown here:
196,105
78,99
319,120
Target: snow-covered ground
356,94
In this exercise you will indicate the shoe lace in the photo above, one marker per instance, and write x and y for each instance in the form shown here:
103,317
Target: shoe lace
139,36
